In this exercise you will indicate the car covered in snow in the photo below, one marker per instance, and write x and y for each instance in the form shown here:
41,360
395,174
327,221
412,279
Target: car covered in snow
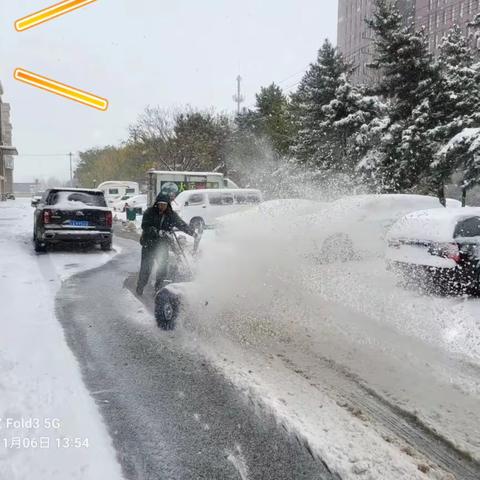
74,216
272,209
355,227
440,248
138,202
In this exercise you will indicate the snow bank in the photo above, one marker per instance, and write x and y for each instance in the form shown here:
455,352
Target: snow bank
257,308
259,288
50,427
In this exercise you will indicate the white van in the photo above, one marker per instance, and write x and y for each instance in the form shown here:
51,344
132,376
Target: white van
115,191
201,208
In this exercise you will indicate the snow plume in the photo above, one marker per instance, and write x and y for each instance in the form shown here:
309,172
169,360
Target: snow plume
283,177
252,280
263,287
245,281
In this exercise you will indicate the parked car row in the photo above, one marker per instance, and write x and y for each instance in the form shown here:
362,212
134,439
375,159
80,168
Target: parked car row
422,240
7,196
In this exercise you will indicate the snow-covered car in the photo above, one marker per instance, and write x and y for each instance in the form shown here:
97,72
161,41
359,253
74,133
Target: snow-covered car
75,216
356,227
438,247
137,201
273,209
36,198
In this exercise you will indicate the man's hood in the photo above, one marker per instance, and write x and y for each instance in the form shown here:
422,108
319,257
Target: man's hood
162,198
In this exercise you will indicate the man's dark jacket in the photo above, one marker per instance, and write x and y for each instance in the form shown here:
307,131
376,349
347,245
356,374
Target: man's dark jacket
154,221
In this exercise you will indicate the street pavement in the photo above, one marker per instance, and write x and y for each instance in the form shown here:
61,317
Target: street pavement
170,414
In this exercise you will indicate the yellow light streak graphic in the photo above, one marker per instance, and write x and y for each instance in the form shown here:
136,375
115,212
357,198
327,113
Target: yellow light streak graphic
50,13
61,89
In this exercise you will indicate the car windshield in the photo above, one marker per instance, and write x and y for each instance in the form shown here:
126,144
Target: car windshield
468,228
89,199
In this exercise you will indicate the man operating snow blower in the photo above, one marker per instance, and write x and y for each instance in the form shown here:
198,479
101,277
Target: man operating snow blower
158,223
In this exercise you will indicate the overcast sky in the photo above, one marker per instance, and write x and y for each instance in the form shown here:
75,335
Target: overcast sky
147,52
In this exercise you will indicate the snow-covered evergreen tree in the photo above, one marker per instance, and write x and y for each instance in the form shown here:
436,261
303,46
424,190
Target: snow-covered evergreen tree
407,74
452,105
312,144
348,118
457,109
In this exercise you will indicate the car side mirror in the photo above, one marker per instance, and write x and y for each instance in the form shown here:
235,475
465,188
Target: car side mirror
186,204
35,203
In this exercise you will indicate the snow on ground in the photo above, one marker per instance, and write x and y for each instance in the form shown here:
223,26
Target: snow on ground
420,352
260,305
50,427
121,218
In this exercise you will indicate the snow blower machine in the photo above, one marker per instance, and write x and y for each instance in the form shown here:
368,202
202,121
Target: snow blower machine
168,300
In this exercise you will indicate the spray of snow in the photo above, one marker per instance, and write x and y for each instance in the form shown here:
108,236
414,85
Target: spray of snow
263,286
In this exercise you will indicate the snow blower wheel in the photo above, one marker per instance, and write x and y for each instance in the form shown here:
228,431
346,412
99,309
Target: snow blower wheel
167,306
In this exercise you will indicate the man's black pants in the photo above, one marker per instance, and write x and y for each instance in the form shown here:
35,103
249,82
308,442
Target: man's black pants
156,254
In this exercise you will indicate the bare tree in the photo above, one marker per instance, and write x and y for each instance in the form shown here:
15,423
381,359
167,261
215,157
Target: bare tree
153,133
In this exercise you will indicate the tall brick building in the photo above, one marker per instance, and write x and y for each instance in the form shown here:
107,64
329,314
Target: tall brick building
6,149
436,16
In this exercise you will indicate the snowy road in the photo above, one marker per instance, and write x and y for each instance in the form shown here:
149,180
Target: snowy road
50,427
274,377
170,414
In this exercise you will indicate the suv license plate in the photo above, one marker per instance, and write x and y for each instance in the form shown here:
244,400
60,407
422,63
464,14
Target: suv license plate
78,223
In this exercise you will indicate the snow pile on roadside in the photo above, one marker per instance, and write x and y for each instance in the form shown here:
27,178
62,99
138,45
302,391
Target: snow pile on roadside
259,287
121,217
335,432
50,428
420,352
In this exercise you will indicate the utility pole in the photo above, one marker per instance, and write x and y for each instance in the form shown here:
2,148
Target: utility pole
71,169
239,98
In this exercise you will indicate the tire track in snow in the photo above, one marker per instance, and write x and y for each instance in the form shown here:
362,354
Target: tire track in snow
237,459
360,399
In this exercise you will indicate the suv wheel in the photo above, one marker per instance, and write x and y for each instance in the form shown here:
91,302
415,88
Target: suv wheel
40,247
106,247
474,285
197,224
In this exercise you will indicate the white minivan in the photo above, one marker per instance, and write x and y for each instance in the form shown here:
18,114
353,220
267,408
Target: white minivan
114,191
201,208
